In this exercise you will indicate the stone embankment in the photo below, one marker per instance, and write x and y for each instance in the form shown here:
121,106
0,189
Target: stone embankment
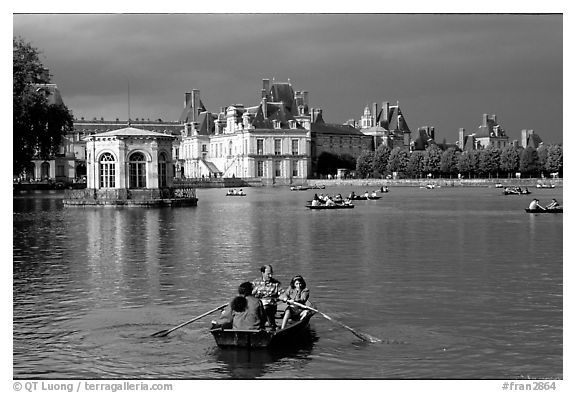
439,182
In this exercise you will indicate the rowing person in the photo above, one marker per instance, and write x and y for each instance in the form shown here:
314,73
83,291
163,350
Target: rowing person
244,312
296,292
534,205
552,204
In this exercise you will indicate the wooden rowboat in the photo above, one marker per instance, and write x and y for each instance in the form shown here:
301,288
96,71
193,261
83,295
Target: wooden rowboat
550,210
261,338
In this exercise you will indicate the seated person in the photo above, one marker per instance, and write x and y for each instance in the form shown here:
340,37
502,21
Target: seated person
267,289
296,292
330,202
534,205
552,204
244,312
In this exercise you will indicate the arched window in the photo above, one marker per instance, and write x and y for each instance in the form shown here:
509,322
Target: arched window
137,170
107,171
162,176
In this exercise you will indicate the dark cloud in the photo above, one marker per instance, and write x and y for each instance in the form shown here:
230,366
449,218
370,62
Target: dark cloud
446,70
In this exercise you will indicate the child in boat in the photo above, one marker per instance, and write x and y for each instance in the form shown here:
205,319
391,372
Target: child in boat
296,292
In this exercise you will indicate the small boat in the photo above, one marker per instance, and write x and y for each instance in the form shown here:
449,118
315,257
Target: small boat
299,188
540,185
233,194
260,338
513,191
384,190
498,185
328,207
364,197
317,187
559,209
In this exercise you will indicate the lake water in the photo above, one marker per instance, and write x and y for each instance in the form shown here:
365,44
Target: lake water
459,283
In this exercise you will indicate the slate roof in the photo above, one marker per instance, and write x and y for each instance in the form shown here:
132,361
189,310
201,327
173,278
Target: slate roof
186,116
337,129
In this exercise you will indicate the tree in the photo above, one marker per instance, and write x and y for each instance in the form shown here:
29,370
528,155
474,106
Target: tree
415,166
38,126
510,160
381,156
542,152
464,163
327,163
364,164
529,161
554,159
432,158
398,160
489,163
449,162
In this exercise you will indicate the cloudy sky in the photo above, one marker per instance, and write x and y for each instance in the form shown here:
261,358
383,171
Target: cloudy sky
444,70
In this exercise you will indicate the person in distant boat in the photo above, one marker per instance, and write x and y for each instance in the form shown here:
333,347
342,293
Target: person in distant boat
366,194
296,292
244,312
329,201
338,198
315,198
552,204
373,194
241,192
352,195
268,289
534,205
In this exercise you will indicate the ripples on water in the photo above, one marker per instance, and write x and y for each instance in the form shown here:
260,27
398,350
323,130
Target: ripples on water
459,283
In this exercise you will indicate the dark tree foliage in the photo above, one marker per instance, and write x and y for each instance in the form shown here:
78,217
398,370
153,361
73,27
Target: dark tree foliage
432,158
329,163
464,164
529,162
489,163
415,166
554,159
38,126
510,160
542,151
449,162
381,156
365,164
398,160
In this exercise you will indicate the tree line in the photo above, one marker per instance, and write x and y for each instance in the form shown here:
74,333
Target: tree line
481,163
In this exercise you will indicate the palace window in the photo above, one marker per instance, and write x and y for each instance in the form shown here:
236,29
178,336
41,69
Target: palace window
107,171
294,147
204,149
137,171
277,168
277,147
260,146
295,168
260,168
162,175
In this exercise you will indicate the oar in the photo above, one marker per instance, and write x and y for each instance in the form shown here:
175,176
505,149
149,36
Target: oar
164,333
363,336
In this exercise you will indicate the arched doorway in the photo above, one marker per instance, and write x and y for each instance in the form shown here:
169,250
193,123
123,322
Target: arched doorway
45,171
137,170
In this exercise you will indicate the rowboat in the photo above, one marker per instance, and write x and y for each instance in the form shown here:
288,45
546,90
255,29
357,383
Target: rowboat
540,185
364,197
261,338
514,192
549,210
299,188
232,194
327,207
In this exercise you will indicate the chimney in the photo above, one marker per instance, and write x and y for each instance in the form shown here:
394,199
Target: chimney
266,86
187,99
461,138
374,113
432,133
385,115
312,115
265,107
263,93
196,104
485,119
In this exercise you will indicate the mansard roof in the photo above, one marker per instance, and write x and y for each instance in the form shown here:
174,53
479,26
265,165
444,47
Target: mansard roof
275,111
534,141
283,92
336,129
